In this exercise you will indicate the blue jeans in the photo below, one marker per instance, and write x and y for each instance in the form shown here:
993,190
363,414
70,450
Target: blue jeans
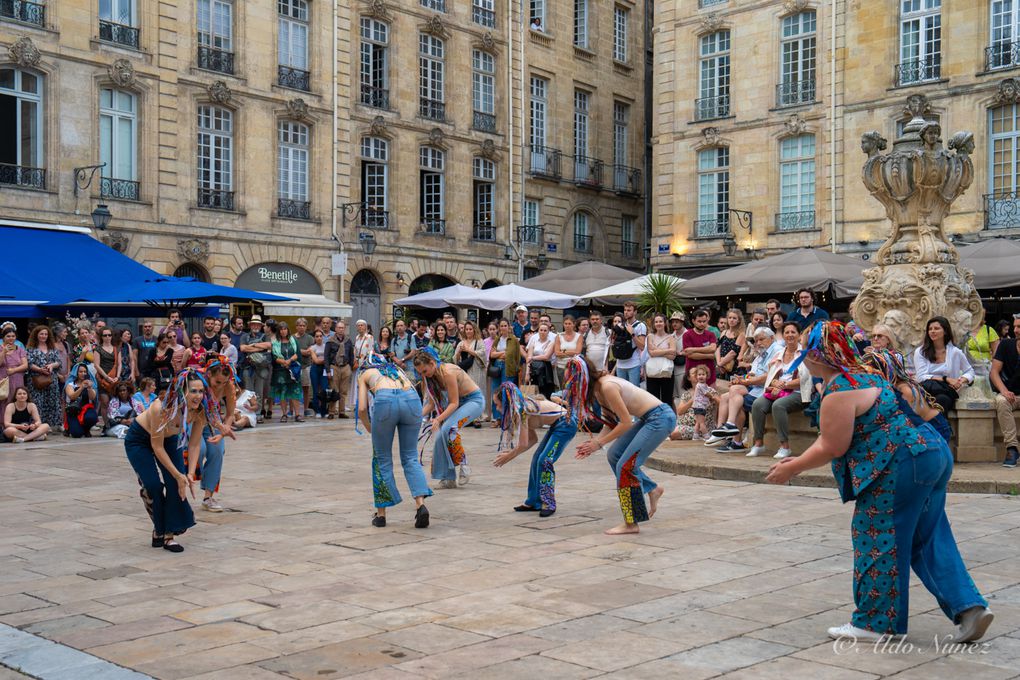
319,383
396,412
210,460
900,524
169,514
448,451
631,375
629,453
542,478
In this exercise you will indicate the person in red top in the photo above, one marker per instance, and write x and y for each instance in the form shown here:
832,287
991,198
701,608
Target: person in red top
699,344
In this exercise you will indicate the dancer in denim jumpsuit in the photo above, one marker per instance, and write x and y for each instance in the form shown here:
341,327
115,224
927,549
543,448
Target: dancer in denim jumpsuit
633,441
395,410
521,418
896,474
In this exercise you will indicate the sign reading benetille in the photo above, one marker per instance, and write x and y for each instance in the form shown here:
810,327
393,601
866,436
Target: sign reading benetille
279,277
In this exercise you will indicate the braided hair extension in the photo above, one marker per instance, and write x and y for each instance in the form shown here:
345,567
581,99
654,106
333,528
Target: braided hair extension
890,366
175,405
515,407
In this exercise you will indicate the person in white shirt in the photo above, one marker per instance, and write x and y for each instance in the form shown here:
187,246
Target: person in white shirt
630,368
676,322
940,366
596,342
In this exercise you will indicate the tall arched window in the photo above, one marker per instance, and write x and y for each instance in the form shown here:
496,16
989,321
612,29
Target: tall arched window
432,208
375,52
215,158
21,129
292,170
713,77
118,144
1003,168
582,232
796,183
797,79
483,172
374,182
713,193
432,68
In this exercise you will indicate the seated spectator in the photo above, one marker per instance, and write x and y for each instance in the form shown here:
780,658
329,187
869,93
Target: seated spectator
918,405
1002,329
776,322
146,394
687,415
786,392
940,366
21,420
1005,379
121,410
731,345
737,402
80,391
882,338
982,343
246,411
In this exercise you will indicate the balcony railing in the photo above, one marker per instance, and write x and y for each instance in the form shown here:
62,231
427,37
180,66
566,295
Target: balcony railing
296,210
582,243
484,232
433,226
376,97
588,172
529,234
432,109
795,221
438,5
794,93
24,11
20,176
374,218
294,78
212,59
711,228
708,108
217,199
1002,55
123,189
629,248
918,70
709,3
483,17
1002,210
627,180
483,122
118,33
545,162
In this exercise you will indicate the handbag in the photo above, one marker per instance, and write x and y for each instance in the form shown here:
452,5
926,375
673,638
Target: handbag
659,367
107,384
295,371
467,361
5,388
42,381
495,369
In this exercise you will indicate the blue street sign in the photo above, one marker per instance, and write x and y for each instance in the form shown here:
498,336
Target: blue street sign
550,247
663,249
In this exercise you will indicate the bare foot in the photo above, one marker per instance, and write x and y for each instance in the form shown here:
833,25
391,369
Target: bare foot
623,529
653,500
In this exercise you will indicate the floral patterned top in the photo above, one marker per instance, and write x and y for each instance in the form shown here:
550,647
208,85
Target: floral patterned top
879,434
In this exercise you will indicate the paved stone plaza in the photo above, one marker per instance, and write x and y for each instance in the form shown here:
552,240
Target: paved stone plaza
730,579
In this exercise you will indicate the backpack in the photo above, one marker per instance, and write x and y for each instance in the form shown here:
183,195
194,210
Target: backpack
623,348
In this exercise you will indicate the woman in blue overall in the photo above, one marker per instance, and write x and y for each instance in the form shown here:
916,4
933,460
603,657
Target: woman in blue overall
521,418
395,410
897,475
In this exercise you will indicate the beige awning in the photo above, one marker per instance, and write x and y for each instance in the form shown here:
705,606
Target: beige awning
307,305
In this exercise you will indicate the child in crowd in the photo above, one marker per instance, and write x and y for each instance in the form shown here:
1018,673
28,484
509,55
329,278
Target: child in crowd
703,394
245,413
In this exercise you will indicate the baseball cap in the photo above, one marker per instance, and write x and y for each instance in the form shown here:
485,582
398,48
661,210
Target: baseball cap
678,316
521,308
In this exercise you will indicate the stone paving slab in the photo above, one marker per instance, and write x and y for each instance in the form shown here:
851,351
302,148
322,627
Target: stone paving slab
731,579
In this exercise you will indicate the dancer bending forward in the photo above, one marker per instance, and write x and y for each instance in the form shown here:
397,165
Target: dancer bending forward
521,418
633,441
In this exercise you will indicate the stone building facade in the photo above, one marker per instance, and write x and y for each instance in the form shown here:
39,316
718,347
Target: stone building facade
213,118
759,109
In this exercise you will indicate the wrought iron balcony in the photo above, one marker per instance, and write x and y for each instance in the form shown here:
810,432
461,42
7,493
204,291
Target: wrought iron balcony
1002,210
212,59
711,228
530,234
433,226
20,176
432,109
918,70
709,3
438,5
118,33
217,199
374,218
796,92
294,78
708,108
588,172
582,243
629,248
627,180
295,210
122,189
484,122
24,11
376,97
485,231
1002,55
545,162
795,221
483,17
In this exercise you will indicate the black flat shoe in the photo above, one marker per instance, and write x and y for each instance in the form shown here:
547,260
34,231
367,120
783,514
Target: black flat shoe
421,518
173,546
378,521
526,508
157,541
546,513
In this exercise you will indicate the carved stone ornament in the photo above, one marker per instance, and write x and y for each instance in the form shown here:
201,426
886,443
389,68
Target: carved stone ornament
793,6
1009,92
710,23
917,106
711,135
378,10
219,92
193,249
378,128
795,124
489,150
435,26
116,240
121,72
488,42
297,108
24,53
436,137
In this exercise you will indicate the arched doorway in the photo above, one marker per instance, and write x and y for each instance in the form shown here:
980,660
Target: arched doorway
366,299
491,283
192,270
424,284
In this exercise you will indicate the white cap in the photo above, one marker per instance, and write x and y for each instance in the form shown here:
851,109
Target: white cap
521,308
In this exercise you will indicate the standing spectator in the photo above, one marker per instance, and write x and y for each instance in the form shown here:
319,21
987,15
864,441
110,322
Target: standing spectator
419,341
236,332
520,321
771,307
505,356
126,369
286,380
81,402
229,351
583,326
1005,378
806,312
776,321
194,355
317,374
597,342
452,328
143,346
63,349
536,24
534,318
786,392
176,326
179,350
566,346
629,367
758,318
364,344
210,334
304,343
384,345
1002,329
21,421
699,344
439,342
257,363
339,362
107,355
676,323
43,386
661,348
940,366
326,324
731,344
538,356
161,362
471,356
401,344
491,336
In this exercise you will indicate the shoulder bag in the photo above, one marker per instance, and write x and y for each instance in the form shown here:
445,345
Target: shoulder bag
41,381
659,367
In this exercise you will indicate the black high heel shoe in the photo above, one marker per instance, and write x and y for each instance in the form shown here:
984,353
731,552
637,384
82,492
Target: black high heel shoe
378,521
421,517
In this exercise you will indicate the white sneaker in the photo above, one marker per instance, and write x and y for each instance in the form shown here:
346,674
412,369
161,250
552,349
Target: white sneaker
848,630
783,453
755,452
716,440
212,505
463,474
973,624
447,484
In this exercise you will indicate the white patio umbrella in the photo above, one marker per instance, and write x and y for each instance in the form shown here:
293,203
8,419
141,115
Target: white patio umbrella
436,299
627,290
502,297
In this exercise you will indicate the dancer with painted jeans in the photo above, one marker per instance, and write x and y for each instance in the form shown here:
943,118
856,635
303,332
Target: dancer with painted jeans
454,401
896,474
208,465
395,410
521,418
633,441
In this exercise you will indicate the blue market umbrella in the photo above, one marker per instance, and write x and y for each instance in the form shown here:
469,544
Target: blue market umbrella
171,291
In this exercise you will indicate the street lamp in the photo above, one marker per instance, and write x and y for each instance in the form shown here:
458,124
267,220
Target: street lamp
367,240
729,244
101,217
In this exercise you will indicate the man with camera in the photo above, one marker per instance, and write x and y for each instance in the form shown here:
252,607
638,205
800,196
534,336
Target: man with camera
176,326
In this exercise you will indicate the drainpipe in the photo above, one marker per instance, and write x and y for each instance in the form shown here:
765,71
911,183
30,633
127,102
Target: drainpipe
510,121
832,123
335,55
525,26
